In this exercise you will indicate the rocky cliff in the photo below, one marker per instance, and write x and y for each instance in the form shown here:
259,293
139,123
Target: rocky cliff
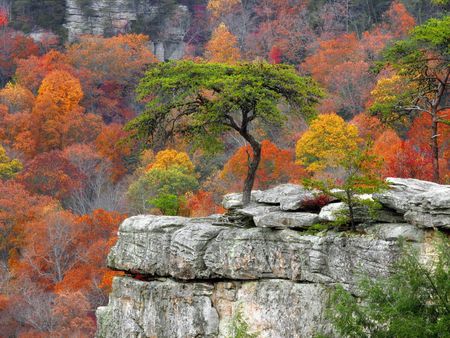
167,24
187,277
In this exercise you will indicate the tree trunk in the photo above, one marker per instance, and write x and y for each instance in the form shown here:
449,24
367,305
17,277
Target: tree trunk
435,149
350,210
252,168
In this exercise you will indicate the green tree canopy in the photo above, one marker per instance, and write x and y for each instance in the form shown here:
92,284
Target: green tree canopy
204,100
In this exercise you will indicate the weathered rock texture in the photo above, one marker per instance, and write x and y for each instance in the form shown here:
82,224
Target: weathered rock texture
167,25
195,273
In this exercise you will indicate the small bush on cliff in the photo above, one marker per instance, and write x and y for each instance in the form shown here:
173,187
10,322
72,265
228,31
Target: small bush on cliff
239,327
413,302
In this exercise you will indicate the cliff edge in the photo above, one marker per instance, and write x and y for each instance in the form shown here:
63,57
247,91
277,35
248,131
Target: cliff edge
186,277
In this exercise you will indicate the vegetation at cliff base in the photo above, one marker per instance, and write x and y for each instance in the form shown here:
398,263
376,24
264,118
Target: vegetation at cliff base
413,302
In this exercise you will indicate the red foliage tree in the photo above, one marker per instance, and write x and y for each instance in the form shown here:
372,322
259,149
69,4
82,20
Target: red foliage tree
402,158
14,46
51,174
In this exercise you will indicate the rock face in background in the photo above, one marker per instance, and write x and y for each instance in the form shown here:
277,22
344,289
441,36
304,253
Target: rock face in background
188,277
166,25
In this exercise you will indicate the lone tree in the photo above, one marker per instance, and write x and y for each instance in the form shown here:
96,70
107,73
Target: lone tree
421,82
202,101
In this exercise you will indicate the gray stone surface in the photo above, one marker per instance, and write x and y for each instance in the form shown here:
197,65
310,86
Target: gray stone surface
283,220
401,191
423,203
165,308
199,250
393,232
431,208
260,259
111,17
331,212
158,309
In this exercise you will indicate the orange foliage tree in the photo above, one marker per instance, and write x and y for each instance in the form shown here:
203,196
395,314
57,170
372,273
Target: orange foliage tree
111,143
91,276
202,204
277,166
13,46
31,71
283,25
57,118
223,46
18,208
339,65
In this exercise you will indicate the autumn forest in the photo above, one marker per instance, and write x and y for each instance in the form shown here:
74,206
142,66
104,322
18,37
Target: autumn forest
268,92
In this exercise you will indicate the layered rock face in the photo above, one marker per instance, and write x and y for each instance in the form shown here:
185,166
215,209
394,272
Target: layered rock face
168,24
188,277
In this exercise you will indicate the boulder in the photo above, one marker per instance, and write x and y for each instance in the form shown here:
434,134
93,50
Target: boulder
331,212
393,232
288,196
283,220
234,200
401,191
431,208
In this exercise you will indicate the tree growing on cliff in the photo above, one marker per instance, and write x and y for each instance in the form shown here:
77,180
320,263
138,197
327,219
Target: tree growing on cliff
421,82
344,167
203,101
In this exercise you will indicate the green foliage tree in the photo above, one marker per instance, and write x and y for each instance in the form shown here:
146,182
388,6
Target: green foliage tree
168,204
413,302
202,101
421,82
157,187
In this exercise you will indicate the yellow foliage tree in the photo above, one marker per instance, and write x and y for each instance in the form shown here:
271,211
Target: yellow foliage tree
170,158
326,143
223,46
333,147
8,167
17,98
222,7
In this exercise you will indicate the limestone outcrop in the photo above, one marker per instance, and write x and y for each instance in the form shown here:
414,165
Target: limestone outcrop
166,25
188,277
